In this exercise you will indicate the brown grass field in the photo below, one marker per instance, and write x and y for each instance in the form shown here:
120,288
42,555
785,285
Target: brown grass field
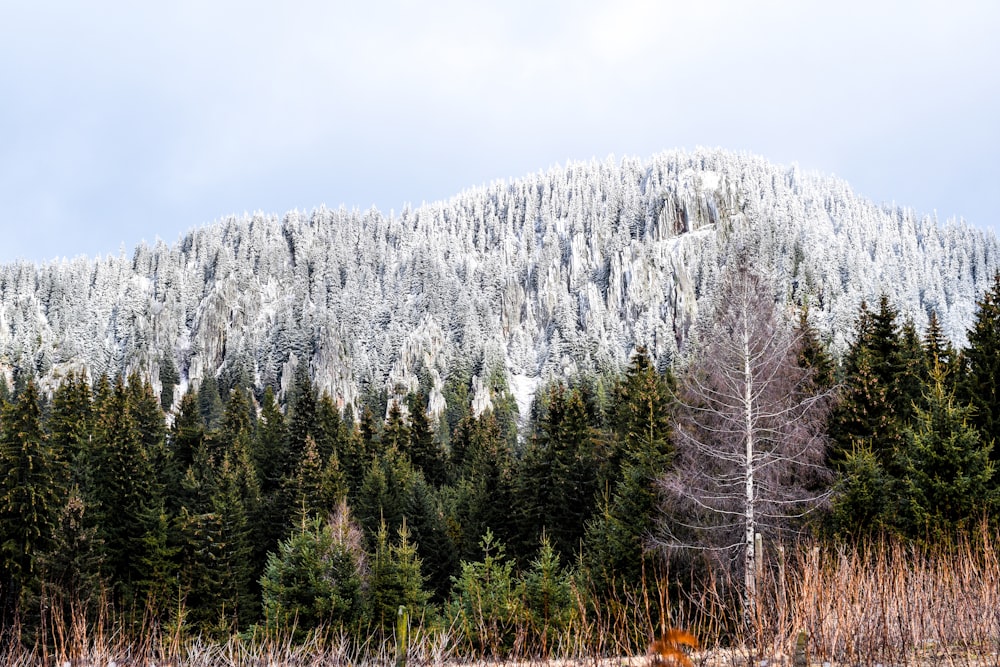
884,604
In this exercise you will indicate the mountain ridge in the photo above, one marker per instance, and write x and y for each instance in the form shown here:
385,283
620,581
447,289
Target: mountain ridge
563,271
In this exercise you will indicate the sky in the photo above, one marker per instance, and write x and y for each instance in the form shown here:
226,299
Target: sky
124,121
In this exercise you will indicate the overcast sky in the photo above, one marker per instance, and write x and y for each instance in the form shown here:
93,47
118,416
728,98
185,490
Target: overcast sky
128,121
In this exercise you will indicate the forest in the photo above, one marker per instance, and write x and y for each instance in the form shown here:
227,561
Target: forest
665,495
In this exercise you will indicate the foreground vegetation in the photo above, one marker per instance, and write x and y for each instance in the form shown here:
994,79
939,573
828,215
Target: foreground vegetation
883,602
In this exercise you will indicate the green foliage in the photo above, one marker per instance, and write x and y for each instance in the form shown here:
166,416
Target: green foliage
813,354
395,578
486,599
483,464
556,480
210,402
169,377
425,451
862,495
867,413
948,474
980,384
550,597
32,492
615,550
315,579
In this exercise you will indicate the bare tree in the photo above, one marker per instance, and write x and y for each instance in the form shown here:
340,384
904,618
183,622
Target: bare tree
749,434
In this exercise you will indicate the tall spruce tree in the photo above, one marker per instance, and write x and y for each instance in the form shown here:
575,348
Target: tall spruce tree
424,449
617,538
948,476
32,493
980,384
556,480
867,412
122,477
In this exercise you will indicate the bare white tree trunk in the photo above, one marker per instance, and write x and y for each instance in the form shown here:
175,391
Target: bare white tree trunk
750,528
750,436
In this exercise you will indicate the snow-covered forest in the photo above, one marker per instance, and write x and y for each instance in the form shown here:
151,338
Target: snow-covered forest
554,274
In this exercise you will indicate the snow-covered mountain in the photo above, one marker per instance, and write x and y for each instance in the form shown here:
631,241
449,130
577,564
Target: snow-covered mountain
555,273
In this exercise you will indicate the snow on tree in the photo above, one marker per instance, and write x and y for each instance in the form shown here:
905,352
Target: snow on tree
587,260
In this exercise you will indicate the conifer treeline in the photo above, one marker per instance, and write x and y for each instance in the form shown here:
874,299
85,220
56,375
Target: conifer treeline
235,511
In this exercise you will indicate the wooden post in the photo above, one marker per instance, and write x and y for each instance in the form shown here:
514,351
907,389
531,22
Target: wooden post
402,626
800,657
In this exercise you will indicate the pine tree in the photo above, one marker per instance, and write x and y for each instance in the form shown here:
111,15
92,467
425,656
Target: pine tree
122,477
209,402
484,472
862,496
866,414
424,449
549,600
187,432
269,458
301,420
70,423
70,570
315,578
169,377
32,493
948,474
980,383
813,354
556,482
395,578
617,536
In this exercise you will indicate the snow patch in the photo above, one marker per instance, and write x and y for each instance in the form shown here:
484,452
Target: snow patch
710,180
524,389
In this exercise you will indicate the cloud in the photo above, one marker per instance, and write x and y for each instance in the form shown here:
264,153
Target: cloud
142,120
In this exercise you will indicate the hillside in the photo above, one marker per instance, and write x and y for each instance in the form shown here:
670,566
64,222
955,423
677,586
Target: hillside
559,272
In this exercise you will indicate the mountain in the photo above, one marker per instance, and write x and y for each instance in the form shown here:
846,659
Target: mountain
560,272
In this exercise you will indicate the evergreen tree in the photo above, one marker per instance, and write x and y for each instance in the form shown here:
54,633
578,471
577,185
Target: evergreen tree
484,468
395,433
315,578
980,384
331,430
939,352
235,501
866,415
70,424
122,479
395,578
549,601
69,570
813,354
616,538
169,377
485,603
911,376
187,432
424,449
862,496
301,420
32,493
557,480
269,460
948,474
210,402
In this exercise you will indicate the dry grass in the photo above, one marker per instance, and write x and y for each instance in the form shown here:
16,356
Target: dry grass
884,604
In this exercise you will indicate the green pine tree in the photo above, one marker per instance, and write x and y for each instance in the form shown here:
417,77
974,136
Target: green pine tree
948,473
315,579
32,494
980,383
395,578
